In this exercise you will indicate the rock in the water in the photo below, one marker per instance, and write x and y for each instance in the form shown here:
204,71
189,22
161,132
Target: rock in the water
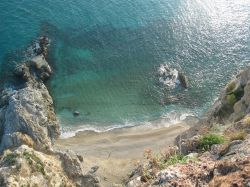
76,113
183,80
170,77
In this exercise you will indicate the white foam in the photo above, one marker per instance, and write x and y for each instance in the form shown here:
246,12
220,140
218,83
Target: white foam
70,132
165,120
168,76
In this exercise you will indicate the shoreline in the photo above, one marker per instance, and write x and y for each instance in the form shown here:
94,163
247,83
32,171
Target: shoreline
116,152
161,122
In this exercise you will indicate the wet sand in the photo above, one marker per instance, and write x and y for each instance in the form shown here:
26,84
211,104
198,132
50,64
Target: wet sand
116,152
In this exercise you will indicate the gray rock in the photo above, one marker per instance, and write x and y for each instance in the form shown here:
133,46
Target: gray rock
71,164
30,111
190,145
238,149
73,168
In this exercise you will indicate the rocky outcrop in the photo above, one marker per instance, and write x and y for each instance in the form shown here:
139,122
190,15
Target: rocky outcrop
29,127
27,113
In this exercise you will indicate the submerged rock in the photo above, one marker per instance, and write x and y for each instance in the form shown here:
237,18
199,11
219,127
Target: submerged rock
76,113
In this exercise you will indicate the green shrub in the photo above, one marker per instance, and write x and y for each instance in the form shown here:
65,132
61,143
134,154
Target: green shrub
231,99
208,140
178,158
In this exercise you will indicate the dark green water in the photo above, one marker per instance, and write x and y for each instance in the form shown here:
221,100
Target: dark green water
104,53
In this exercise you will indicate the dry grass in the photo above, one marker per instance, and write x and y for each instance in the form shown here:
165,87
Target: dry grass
246,120
238,135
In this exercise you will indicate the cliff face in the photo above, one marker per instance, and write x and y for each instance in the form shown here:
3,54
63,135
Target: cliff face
214,152
28,128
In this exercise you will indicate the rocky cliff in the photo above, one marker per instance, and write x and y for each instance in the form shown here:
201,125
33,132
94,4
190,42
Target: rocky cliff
214,152
28,128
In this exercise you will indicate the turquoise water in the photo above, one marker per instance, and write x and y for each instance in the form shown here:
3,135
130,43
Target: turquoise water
104,53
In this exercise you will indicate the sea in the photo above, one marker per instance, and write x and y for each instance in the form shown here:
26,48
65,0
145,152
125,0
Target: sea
105,55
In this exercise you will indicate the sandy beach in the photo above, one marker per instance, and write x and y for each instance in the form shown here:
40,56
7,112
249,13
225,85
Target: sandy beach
116,152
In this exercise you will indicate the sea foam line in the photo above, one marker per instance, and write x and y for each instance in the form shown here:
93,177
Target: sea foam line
165,120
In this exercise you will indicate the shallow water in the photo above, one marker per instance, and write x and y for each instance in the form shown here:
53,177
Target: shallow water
105,53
